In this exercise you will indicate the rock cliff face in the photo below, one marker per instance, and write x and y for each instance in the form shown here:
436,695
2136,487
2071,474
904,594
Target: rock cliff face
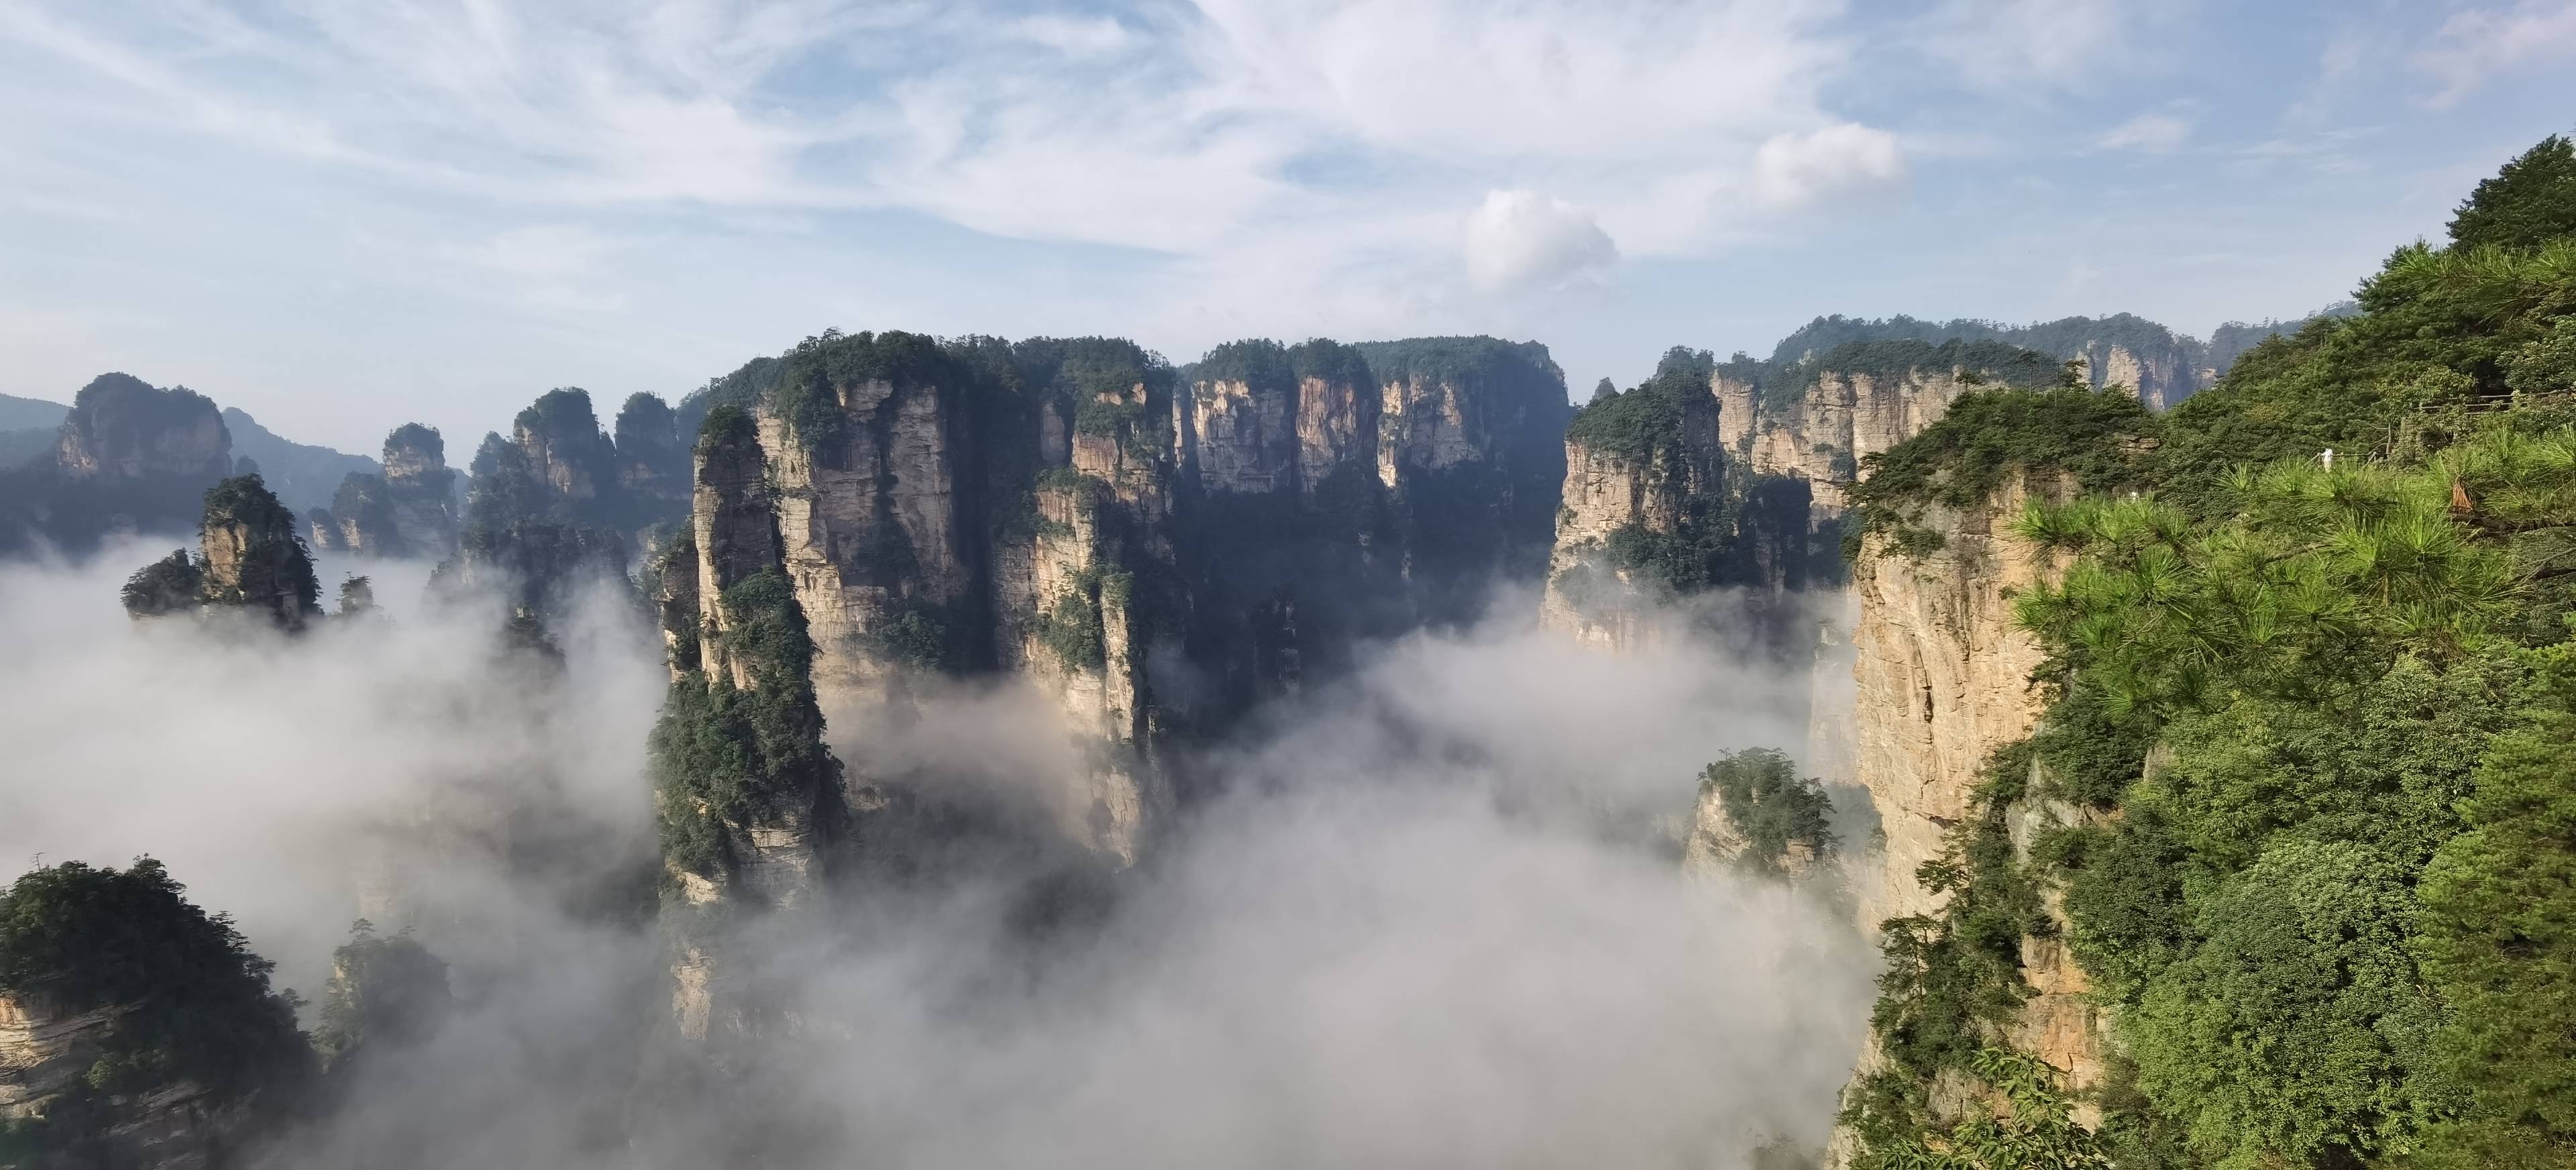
127,458
250,560
422,491
548,511
2159,366
121,428
408,510
1152,552
46,1051
751,804
1943,680
1818,421
1471,444
652,461
1628,489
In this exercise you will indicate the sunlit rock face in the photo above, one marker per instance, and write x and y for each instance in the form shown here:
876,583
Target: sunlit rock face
1944,680
1152,550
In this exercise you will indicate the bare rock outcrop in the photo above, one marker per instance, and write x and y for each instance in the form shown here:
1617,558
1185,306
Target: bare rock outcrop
1943,678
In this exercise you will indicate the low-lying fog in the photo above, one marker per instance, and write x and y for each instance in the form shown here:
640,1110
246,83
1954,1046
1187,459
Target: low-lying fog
1433,921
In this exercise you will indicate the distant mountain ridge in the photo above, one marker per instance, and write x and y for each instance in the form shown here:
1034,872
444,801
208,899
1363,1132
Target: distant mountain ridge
302,474
2162,365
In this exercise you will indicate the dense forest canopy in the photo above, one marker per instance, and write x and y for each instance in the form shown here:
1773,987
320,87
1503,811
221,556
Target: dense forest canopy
2306,743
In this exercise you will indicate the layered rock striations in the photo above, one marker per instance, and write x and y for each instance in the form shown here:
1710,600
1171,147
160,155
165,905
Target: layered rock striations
1293,539
749,801
1943,678
1470,443
1820,419
1643,517
1151,550
170,1056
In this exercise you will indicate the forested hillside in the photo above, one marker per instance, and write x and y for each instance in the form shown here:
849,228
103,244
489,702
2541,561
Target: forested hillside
2302,802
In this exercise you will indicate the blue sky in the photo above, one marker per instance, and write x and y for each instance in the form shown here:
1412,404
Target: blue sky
343,216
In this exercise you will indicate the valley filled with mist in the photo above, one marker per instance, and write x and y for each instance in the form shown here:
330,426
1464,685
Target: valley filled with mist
1936,743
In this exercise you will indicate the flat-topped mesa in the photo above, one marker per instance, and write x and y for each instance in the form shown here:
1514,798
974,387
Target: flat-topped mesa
2155,364
1821,419
1641,515
866,439
1072,511
122,428
1288,535
1471,440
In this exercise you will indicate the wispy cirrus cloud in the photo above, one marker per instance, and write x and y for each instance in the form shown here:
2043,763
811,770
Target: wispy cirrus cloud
2476,45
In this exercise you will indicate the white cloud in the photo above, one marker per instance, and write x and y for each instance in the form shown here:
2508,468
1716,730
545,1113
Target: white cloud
2005,44
1844,164
1523,239
1075,37
2476,45
2147,133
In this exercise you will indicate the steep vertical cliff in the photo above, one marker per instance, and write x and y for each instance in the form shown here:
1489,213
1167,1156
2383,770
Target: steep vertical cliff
1471,443
422,492
1943,678
867,441
167,1056
1950,690
121,428
407,510
250,561
1153,553
748,799
2157,365
128,458
652,461
1820,419
1288,534
1643,519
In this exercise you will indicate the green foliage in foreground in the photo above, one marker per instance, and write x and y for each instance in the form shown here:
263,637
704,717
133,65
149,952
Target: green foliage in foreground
2303,782
2035,1131
1986,437
196,1004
